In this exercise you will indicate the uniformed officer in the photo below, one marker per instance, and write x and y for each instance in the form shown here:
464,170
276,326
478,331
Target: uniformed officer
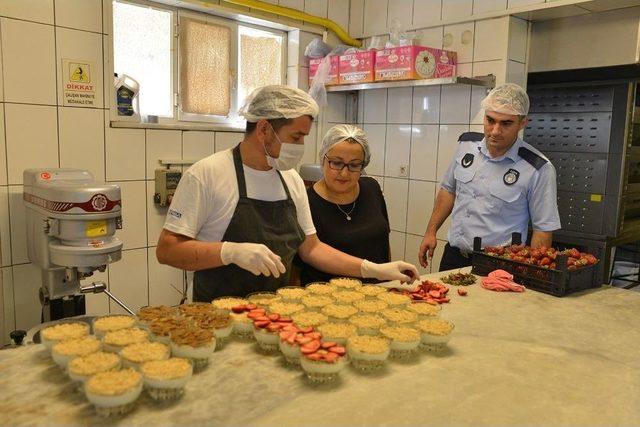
494,186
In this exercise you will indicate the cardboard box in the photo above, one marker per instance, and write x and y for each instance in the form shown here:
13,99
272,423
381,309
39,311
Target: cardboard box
334,65
357,67
414,62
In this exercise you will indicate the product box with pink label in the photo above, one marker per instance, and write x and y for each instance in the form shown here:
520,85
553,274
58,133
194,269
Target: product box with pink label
414,62
357,67
334,61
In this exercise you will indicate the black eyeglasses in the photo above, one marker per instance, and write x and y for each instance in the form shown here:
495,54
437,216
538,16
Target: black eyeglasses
338,165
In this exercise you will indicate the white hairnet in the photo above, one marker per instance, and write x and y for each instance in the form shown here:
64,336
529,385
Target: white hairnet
508,98
340,133
277,102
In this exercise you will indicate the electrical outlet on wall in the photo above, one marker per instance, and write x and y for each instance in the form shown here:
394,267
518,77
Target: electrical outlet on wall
404,171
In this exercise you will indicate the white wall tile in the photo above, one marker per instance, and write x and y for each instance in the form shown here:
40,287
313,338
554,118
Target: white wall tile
412,246
197,145
134,214
375,17
28,55
356,18
476,128
518,38
377,137
107,70
421,200
162,144
380,180
491,40
517,73
81,133
336,110
485,6
107,14
155,216
294,56
310,145
432,37
3,148
18,226
85,47
226,140
316,7
400,14
125,152
459,38
32,139
465,70
5,228
165,282
399,105
375,106
426,12
303,78
1,77
424,152
79,14
395,193
476,115
8,307
520,3
29,10
447,145
397,243
456,9
454,104
97,304
497,68
128,281
339,13
398,148
426,104
27,281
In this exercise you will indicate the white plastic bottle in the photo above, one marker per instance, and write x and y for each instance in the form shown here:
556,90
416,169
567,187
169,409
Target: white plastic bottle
126,98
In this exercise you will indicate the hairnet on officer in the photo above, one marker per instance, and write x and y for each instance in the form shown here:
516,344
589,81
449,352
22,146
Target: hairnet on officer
340,133
508,98
277,102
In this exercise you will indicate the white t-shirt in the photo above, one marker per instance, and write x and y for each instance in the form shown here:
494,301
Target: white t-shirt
207,195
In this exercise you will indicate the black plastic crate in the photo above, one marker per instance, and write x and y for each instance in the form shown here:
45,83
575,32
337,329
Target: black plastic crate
559,282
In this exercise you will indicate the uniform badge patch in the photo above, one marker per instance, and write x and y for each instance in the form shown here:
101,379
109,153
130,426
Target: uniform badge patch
467,160
511,177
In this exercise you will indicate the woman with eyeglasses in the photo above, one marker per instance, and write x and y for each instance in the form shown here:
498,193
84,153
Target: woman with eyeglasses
348,209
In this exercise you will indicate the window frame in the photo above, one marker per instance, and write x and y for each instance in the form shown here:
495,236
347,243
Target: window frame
181,118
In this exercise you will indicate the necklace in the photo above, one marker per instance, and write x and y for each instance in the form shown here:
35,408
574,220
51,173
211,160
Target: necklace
347,214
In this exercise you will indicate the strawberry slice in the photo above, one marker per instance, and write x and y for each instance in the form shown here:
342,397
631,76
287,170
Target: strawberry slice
329,344
285,320
290,327
261,323
306,330
253,315
313,335
331,357
310,347
272,327
339,350
273,317
462,292
292,338
251,306
258,310
431,301
284,335
302,340
434,294
314,356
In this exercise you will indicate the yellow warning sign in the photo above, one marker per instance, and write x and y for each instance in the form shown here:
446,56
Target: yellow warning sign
96,228
596,197
80,73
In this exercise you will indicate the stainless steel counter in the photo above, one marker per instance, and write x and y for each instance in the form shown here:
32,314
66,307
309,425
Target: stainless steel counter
514,359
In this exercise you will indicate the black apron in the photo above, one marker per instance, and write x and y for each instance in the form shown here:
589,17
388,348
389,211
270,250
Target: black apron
274,224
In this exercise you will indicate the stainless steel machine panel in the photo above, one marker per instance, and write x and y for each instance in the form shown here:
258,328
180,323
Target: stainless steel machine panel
586,173
572,99
569,132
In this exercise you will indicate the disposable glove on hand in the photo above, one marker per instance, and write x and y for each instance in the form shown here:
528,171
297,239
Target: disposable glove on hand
396,270
253,257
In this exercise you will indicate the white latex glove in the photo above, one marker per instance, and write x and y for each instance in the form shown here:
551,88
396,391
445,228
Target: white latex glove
253,257
394,270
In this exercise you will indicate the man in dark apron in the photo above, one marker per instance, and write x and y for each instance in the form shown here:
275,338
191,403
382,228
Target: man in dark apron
255,249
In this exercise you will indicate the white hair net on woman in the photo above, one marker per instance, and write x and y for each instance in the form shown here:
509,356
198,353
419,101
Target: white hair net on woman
277,102
508,98
340,133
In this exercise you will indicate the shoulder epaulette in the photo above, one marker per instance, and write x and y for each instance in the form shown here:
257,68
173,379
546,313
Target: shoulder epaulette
532,158
471,136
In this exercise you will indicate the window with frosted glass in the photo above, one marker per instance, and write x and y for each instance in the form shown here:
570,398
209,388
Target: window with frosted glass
260,61
205,81
142,50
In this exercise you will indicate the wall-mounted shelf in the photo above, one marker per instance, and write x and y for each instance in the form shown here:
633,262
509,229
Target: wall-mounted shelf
486,81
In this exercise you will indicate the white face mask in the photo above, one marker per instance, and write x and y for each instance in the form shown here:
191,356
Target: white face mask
290,155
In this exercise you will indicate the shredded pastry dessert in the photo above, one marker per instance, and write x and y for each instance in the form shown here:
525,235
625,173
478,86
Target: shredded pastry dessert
285,308
77,347
196,309
213,320
424,309
113,383
400,333
291,293
320,288
143,352
368,321
348,297
316,301
65,331
309,318
345,282
147,314
371,290
165,325
339,311
93,363
175,367
393,298
368,344
113,323
337,330
373,306
227,303
194,337
399,315
439,327
128,336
